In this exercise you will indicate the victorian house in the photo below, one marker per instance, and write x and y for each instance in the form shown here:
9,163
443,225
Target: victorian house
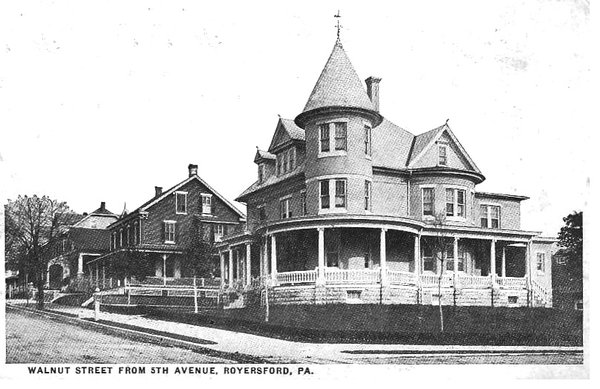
159,236
83,241
348,207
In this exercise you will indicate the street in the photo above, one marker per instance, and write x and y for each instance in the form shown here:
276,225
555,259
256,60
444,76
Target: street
31,338
34,337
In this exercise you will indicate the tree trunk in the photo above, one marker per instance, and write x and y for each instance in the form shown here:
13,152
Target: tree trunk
440,303
40,288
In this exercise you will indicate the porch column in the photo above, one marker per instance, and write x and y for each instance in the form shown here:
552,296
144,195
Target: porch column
321,264
382,256
164,269
222,258
48,276
503,261
273,257
104,275
493,260
455,269
417,255
248,264
97,274
80,265
230,267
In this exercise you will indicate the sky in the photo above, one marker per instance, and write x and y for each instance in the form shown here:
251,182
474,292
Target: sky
103,100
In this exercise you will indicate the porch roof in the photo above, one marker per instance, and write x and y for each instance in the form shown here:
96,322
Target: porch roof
144,248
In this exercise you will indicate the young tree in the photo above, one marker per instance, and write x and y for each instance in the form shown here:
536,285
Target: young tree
33,224
200,253
437,246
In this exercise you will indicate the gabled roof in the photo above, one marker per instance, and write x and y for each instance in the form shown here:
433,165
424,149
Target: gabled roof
338,85
144,207
263,155
423,142
391,145
285,132
271,180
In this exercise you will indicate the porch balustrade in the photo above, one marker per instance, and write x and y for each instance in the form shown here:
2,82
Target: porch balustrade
475,282
433,279
343,276
512,282
401,277
297,277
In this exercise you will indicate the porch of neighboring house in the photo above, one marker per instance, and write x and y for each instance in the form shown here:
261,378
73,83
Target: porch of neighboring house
384,265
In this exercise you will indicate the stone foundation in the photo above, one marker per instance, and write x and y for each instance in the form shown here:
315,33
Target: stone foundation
376,294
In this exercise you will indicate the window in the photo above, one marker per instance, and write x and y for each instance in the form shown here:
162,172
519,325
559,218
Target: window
324,188
169,231
367,195
428,199
513,300
442,155
137,231
450,256
324,131
220,231
303,202
261,172
286,161
428,264
262,213
541,262
353,295
340,193
489,216
206,203
113,241
340,136
285,210
181,202
367,140
455,202
121,238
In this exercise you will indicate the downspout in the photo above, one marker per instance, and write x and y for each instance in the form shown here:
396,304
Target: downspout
408,192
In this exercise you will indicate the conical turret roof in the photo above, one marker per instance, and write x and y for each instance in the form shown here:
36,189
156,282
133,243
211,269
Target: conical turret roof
338,85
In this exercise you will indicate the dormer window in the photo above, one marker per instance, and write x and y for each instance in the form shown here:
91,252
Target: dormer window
181,203
442,156
261,173
286,161
206,204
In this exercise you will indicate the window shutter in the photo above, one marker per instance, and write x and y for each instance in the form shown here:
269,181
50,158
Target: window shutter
175,228
164,228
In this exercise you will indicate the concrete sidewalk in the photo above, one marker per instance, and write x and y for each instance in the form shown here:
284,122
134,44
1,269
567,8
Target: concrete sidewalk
284,351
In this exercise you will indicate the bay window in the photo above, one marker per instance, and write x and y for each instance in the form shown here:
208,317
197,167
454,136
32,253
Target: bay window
455,202
428,201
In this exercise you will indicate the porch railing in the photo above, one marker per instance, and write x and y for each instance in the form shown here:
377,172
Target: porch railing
475,282
433,279
512,282
297,277
401,277
347,276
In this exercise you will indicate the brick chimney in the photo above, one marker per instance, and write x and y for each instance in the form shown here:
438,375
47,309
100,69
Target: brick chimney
103,205
157,191
373,90
193,169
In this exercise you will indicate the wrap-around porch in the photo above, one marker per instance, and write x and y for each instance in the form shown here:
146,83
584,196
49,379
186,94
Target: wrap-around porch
334,256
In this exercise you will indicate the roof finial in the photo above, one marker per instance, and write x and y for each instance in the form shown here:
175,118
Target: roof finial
338,26
447,121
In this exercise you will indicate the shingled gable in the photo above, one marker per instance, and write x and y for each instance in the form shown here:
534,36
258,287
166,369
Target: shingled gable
285,132
424,142
338,85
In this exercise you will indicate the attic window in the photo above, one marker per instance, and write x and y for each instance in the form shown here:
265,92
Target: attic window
261,172
286,161
443,158
206,204
181,202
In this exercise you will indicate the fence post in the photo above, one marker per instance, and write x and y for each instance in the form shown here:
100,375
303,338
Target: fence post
97,304
196,295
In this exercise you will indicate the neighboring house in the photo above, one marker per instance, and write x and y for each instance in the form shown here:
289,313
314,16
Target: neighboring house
349,207
162,229
87,238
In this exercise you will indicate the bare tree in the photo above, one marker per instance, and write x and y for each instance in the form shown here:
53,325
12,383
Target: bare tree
437,246
33,224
